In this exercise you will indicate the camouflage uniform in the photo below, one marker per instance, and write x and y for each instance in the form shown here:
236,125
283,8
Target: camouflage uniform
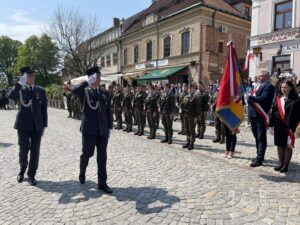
117,104
220,133
180,101
167,109
139,109
128,111
151,106
203,104
191,111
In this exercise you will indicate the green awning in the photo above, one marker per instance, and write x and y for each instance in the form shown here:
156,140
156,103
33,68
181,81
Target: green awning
161,74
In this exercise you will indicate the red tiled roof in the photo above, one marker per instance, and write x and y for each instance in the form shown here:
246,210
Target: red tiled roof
165,8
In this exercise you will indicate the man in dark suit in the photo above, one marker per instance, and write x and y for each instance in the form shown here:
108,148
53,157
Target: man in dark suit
259,107
31,120
96,125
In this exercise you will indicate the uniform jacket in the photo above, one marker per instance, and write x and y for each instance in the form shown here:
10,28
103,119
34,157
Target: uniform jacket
94,121
35,117
167,103
138,100
117,99
151,103
127,101
264,97
190,105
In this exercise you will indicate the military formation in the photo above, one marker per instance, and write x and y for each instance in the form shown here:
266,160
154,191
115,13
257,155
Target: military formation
152,104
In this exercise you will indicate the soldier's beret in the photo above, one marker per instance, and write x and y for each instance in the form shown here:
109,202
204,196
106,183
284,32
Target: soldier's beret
27,69
93,70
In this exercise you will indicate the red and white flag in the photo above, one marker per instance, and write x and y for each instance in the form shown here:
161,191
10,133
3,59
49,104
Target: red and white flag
247,61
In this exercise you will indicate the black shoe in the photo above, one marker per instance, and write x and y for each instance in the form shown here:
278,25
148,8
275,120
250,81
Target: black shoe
20,177
180,132
222,141
128,131
201,137
82,178
191,147
216,140
140,134
197,135
32,181
164,141
277,168
170,141
183,133
105,189
125,129
255,164
186,145
284,169
136,133
253,160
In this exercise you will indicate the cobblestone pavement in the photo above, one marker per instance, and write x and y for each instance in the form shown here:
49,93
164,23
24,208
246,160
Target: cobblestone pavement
153,183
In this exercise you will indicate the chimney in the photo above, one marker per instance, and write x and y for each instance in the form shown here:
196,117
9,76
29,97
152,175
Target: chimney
116,22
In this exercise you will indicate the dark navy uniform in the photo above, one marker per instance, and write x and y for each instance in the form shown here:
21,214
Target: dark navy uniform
31,120
96,124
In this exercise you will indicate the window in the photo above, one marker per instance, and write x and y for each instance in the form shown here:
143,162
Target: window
283,15
221,47
247,11
125,56
115,58
102,61
136,54
185,43
149,50
108,61
167,47
283,62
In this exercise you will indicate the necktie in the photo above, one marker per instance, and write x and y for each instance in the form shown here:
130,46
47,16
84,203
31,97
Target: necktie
31,92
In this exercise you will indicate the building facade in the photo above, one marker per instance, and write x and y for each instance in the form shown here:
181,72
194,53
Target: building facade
188,37
275,41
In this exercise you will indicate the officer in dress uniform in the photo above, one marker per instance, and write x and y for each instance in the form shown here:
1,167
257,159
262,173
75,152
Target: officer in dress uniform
96,125
31,121
128,109
151,105
117,105
191,111
139,107
181,96
167,109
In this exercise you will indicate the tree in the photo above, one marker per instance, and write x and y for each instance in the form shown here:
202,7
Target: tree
74,32
42,54
8,57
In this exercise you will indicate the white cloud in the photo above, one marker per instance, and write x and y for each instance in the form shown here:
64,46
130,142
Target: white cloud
18,25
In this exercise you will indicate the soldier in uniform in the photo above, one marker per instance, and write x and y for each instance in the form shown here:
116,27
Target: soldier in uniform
167,110
203,104
151,106
117,104
134,91
31,121
181,96
128,109
139,107
96,125
68,94
220,133
191,109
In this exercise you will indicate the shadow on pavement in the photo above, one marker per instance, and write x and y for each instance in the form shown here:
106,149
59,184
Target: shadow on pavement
5,145
148,199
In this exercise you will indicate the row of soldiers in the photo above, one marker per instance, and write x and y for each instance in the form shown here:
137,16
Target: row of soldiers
139,105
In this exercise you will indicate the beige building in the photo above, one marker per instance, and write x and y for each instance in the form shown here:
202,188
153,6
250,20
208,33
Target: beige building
275,36
169,39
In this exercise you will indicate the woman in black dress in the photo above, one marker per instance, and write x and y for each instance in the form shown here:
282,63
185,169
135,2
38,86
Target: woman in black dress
285,117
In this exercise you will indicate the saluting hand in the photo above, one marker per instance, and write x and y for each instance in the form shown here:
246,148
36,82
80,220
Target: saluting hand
23,79
92,79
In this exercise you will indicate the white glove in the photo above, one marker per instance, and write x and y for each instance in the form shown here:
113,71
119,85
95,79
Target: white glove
109,133
271,131
23,79
92,79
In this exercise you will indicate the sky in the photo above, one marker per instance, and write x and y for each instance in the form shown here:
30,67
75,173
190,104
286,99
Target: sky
20,19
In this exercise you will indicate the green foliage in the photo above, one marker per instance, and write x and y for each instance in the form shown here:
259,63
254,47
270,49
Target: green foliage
8,57
42,54
54,91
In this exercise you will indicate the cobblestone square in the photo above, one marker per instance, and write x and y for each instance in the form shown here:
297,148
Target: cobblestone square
153,183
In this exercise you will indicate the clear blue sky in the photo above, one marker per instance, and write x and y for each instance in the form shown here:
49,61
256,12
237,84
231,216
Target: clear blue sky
21,18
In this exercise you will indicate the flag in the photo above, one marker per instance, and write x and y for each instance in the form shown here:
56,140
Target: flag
229,104
247,61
